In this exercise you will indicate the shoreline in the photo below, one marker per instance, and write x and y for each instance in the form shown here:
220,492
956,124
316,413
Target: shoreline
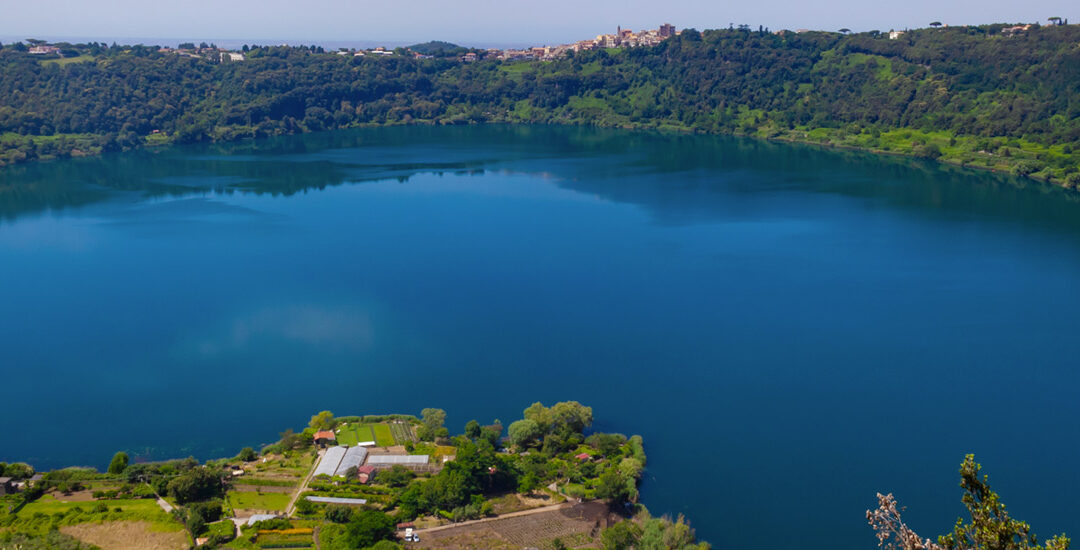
158,141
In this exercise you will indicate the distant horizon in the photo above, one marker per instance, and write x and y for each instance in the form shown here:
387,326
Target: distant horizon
334,43
481,23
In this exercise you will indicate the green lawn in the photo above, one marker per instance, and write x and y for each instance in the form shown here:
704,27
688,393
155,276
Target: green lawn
351,434
49,505
258,501
48,513
224,529
383,437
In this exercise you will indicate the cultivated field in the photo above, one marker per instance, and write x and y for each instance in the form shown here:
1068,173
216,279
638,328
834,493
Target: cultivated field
127,535
50,504
351,434
271,502
575,527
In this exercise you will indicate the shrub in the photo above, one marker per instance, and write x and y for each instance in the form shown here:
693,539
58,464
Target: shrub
247,454
338,513
1026,168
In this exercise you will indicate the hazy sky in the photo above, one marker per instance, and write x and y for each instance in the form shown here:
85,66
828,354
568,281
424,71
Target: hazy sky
484,22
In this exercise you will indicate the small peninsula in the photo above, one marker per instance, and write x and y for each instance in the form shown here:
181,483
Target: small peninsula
544,481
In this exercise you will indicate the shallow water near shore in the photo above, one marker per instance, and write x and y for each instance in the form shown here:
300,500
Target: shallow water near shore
790,329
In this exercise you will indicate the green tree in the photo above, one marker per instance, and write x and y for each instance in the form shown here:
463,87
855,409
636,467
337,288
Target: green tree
524,432
621,536
616,489
472,429
432,426
322,421
368,527
119,463
339,513
247,454
196,484
991,527
19,470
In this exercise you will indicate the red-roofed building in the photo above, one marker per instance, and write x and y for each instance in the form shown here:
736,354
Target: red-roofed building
325,438
364,474
583,456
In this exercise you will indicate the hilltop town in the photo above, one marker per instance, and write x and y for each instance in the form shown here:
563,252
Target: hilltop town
622,38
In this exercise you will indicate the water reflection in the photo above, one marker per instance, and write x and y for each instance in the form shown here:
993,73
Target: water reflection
702,174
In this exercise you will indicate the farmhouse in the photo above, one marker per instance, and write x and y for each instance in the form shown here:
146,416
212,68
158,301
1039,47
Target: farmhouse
325,438
6,487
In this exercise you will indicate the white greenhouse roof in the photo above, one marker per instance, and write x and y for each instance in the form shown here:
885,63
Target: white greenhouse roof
337,500
329,463
398,459
353,457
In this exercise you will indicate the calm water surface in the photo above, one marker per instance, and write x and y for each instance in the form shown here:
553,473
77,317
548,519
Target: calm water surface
790,329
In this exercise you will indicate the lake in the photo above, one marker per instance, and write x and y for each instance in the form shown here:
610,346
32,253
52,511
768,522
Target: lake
791,329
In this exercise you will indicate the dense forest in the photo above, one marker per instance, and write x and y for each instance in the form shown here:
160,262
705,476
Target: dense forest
974,96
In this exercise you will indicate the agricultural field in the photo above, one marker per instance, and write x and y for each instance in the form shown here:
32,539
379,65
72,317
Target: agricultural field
286,538
49,505
277,471
271,502
571,527
128,535
351,434
383,436
402,432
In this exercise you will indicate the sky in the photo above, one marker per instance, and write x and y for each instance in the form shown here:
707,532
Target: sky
482,22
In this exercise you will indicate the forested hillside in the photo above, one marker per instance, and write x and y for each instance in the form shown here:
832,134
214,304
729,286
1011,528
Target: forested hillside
968,95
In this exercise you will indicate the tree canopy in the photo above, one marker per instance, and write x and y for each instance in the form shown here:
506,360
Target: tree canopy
967,94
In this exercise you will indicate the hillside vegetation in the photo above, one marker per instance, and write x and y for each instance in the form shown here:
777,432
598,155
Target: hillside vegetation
968,95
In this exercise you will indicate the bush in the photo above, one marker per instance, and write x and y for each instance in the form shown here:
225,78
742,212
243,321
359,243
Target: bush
1072,181
119,463
338,513
1026,168
208,511
195,485
247,454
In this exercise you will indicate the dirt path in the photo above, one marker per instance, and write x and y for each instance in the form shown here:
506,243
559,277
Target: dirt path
542,510
163,503
291,508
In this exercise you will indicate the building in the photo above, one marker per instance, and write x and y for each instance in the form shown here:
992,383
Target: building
261,517
365,474
667,30
42,50
893,35
6,487
337,500
324,438
388,461
330,461
1012,31
353,458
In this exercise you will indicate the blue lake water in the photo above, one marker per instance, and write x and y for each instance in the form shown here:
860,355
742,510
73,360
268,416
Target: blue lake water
791,329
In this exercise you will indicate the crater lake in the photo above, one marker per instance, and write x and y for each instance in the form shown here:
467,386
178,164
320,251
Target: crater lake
791,329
